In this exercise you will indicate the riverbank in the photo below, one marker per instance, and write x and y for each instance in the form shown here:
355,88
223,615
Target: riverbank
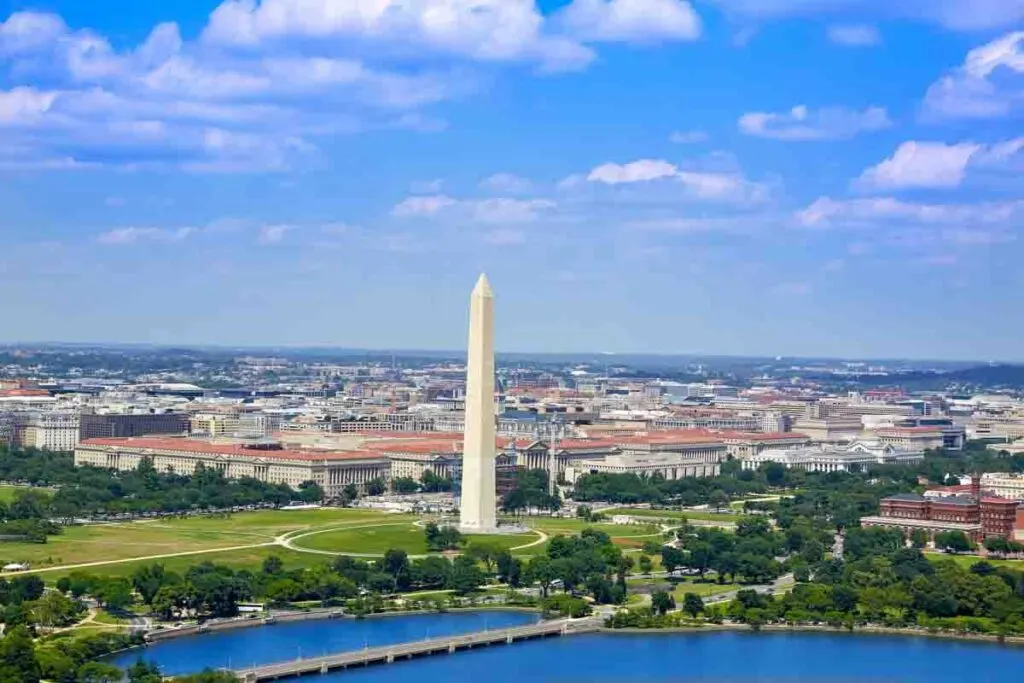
214,626
1016,641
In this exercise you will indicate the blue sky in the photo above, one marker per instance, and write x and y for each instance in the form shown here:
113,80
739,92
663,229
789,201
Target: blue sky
794,177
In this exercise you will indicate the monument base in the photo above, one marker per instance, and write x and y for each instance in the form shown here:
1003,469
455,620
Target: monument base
498,529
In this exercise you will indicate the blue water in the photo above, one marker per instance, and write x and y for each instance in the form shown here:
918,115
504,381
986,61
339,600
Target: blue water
726,657
245,647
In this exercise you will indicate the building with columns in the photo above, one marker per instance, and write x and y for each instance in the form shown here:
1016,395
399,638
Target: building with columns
332,470
836,458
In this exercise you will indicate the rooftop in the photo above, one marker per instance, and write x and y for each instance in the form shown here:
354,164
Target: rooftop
189,445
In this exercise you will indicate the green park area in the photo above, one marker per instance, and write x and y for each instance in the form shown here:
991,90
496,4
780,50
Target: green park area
696,515
244,540
379,538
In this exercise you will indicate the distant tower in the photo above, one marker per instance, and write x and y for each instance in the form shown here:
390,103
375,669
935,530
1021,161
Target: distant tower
477,508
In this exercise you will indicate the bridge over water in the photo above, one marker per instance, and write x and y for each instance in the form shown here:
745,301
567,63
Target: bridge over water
386,654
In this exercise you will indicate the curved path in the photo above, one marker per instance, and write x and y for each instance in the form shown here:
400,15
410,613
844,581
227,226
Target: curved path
285,540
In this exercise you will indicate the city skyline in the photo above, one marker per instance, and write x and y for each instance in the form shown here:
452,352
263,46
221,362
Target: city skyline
721,177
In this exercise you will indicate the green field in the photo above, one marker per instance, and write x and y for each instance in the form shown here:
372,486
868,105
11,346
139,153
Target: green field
968,560
113,542
570,526
246,539
379,539
676,514
7,492
249,558
704,590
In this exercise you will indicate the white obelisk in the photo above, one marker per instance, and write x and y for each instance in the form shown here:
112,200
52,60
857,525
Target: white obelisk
477,509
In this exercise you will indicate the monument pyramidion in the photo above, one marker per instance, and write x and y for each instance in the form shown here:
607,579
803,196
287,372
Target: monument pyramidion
478,510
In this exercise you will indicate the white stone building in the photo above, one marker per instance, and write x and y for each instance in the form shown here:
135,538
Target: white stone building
836,458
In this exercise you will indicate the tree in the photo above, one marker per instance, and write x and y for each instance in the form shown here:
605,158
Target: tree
540,570
376,487
310,492
404,485
692,604
953,541
395,562
144,672
483,551
99,672
672,558
114,593
919,538
718,500
662,602
273,565
466,576
645,564
18,663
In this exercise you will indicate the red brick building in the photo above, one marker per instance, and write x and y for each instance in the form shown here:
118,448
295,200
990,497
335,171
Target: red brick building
976,515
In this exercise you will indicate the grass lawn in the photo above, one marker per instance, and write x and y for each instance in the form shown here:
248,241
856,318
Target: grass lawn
379,539
569,526
704,590
250,558
7,492
105,542
968,560
676,514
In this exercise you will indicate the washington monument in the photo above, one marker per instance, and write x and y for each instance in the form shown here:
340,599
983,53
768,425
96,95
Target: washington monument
477,510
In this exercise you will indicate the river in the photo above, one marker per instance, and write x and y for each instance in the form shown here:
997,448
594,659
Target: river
721,656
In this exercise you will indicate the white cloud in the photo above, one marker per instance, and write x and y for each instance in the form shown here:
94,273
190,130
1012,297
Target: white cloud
631,21
688,137
24,106
506,183
803,124
639,171
854,35
938,165
128,236
883,211
711,184
920,164
492,30
29,31
272,234
988,85
959,15
422,206
504,210
492,210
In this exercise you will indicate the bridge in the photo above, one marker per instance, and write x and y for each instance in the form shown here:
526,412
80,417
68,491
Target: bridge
387,654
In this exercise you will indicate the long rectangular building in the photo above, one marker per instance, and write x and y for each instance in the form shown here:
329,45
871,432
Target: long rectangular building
332,470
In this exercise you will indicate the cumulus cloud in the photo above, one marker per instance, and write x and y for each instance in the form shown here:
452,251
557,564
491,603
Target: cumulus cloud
128,236
492,30
854,35
938,165
988,85
272,234
883,211
803,124
631,21
422,206
957,15
709,183
490,210
506,183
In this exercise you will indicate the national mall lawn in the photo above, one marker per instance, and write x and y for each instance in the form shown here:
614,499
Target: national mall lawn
243,540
